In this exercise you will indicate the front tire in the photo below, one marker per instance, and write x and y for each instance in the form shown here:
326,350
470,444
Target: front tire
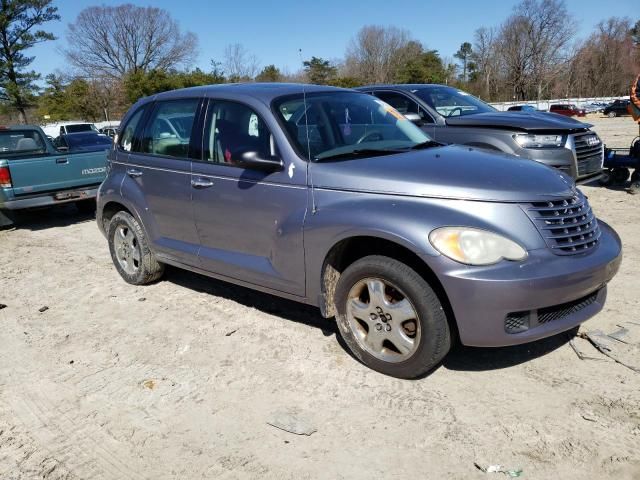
390,318
130,251
612,114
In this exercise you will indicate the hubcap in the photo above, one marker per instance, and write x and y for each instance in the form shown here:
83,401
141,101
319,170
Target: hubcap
127,249
383,320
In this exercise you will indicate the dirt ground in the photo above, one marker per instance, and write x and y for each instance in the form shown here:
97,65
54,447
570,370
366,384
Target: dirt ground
181,379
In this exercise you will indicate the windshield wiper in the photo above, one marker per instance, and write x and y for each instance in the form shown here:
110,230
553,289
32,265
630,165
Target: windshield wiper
362,152
427,144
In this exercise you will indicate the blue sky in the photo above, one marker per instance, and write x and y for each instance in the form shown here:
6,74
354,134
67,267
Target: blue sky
275,30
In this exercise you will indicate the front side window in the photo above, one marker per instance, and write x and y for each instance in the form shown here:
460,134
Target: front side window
127,137
21,142
233,129
403,104
451,102
168,130
345,124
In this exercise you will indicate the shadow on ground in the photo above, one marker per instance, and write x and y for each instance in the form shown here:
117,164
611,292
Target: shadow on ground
460,358
264,302
49,217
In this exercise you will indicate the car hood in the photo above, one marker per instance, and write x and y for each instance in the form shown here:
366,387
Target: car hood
453,172
527,121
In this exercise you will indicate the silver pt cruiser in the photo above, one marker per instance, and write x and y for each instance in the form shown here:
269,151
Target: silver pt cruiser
332,198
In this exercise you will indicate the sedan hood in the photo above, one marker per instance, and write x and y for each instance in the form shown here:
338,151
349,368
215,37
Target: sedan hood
454,172
527,121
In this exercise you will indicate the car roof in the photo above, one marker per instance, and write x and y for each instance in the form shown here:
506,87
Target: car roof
262,91
406,86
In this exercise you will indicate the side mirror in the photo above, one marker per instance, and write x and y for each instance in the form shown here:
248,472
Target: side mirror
252,159
413,118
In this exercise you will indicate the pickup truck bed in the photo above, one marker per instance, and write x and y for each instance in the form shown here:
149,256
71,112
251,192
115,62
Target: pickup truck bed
33,173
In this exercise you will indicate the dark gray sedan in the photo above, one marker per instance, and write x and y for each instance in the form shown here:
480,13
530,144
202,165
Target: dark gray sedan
331,197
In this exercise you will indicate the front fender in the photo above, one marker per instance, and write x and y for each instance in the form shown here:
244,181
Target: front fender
406,221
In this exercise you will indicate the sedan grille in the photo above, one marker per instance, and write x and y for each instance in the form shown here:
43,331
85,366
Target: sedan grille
568,226
589,153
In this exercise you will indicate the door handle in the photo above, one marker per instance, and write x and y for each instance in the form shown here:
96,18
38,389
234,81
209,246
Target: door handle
62,161
133,173
201,183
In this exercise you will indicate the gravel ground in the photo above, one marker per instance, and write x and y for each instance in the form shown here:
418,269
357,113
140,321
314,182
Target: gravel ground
181,379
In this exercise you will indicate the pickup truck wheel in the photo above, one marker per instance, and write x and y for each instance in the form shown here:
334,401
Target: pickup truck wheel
86,206
130,251
390,318
7,218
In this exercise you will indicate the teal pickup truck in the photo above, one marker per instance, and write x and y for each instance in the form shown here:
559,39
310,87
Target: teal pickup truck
33,173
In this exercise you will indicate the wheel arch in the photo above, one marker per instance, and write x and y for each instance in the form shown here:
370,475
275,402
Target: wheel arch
347,250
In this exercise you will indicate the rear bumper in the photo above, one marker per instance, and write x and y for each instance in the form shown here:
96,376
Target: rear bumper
49,198
483,297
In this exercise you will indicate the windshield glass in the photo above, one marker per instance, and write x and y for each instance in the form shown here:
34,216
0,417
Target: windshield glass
17,142
343,123
451,102
87,142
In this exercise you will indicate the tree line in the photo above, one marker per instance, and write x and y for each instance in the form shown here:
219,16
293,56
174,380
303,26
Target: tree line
118,54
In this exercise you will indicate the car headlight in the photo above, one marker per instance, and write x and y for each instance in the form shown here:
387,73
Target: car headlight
526,140
473,246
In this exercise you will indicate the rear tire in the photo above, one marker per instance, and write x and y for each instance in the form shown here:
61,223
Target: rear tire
606,180
620,175
390,318
612,114
7,218
86,206
130,251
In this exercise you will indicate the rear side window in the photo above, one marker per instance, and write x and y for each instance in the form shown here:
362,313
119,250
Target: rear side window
168,130
127,137
21,142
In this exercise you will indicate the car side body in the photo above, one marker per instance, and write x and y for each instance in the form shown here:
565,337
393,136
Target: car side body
293,226
567,109
617,108
579,152
36,174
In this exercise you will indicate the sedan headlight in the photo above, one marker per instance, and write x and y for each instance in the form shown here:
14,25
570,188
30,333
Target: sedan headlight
539,141
473,246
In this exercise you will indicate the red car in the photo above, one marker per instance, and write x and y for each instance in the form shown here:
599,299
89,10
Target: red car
567,109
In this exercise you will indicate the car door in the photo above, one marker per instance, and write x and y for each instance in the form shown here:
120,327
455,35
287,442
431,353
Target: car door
159,176
249,222
404,104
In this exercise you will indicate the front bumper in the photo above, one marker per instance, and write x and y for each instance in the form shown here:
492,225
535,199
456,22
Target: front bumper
482,297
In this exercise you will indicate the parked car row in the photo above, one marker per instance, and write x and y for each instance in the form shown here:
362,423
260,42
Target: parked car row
274,187
334,198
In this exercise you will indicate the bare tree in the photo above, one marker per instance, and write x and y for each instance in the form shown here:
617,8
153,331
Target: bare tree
606,62
485,56
548,33
239,64
115,41
376,53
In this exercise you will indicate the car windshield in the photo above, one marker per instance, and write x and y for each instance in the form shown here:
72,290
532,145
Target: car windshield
86,142
338,124
17,142
451,102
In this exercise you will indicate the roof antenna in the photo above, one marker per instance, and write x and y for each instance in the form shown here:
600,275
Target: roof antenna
314,208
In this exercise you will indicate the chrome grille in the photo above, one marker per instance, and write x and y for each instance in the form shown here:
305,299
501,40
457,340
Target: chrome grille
589,153
568,225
